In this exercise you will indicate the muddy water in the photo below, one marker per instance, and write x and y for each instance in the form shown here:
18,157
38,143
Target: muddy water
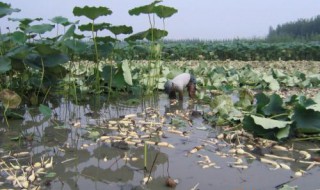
81,162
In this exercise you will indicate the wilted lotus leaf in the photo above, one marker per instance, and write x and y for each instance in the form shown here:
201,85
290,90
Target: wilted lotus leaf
9,98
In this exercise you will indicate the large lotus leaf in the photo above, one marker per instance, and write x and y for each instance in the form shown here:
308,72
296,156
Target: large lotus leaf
306,120
46,49
164,11
40,28
77,46
5,9
222,104
52,60
69,33
55,59
106,39
266,127
156,34
59,20
5,64
108,72
19,37
262,101
20,52
268,123
94,27
247,76
126,72
278,73
151,34
121,29
105,49
316,105
274,106
9,98
146,9
246,98
118,80
91,12
273,83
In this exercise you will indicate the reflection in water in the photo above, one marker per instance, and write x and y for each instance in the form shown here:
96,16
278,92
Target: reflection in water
82,162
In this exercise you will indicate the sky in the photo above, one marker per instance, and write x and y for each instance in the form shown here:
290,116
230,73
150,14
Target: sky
196,19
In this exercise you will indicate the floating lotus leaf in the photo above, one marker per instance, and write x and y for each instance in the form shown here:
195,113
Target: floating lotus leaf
9,98
266,127
5,64
91,12
5,9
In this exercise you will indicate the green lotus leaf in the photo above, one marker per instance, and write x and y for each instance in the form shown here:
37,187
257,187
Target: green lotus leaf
77,46
59,20
5,9
126,72
273,83
151,34
5,64
46,49
122,29
222,104
9,98
306,120
20,52
274,106
91,12
19,37
266,127
45,110
146,9
164,11
40,28
94,27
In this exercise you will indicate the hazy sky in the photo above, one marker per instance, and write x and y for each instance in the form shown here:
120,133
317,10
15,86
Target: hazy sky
196,19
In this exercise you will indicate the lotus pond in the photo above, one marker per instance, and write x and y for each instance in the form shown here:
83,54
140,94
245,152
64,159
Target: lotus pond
263,135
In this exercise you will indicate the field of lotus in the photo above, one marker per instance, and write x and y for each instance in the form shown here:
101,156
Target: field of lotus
92,113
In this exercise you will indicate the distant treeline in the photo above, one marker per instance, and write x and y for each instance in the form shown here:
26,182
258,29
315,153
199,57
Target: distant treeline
302,29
